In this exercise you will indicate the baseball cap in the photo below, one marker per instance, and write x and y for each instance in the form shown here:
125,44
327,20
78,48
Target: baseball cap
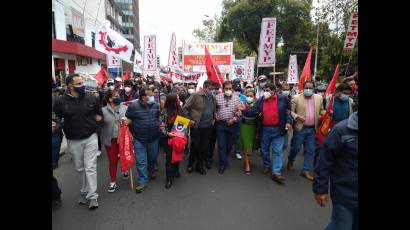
262,77
118,79
110,81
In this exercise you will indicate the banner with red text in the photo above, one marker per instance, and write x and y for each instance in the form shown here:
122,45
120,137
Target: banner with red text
173,53
352,32
150,53
293,76
267,45
193,56
249,69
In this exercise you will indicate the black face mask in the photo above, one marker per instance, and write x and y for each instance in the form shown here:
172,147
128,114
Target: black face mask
80,90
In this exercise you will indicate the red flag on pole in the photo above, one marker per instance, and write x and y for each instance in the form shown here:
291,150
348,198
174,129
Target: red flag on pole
212,70
327,117
126,76
126,149
306,72
101,76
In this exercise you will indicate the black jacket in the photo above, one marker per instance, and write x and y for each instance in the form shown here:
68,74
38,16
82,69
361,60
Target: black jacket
338,162
145,121
79,115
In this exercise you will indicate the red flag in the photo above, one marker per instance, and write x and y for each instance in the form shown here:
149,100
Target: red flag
212,70
306,72
127,158
101,76
126,76
326,119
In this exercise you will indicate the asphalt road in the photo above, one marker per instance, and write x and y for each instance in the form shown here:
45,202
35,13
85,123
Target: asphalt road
195,202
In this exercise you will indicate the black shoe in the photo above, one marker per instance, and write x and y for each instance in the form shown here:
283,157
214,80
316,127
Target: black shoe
221,170
168,184
208,164
56,203
201,170
177,175
190,169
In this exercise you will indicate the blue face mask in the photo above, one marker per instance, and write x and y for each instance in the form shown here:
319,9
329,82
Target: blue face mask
116,100
344,97
285,93
151,100
308,92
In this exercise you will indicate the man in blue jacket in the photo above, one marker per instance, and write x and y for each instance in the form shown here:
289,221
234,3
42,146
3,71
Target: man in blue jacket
275,118
338,162
143,120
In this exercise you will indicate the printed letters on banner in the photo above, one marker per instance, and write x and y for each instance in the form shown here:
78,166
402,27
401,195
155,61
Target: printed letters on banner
352,32
249,68
150,53
267,45
173,54
293,70
137,62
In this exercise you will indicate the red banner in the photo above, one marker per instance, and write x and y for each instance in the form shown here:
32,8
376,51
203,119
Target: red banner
127,157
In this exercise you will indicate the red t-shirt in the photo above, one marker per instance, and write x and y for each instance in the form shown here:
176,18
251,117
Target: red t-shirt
270,111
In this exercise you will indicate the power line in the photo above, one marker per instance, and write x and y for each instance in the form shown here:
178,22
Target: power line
90,15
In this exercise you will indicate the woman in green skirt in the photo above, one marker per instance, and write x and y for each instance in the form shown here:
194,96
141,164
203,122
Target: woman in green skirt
248,129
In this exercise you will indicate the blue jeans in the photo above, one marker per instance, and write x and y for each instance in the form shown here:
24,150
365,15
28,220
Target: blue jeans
236,147
343,218
271,135
225,137
306,136
286,142
146,156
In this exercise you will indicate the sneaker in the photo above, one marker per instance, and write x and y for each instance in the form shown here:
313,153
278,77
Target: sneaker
140,188
93,204
125,176
83,200
238,156
112,187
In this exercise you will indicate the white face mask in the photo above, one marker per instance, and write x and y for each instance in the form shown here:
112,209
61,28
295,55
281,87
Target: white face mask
111,87
191,91
267,95
228,93
127,89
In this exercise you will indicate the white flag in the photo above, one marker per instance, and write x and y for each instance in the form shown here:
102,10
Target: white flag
150,53
111,42
173,53
293,70
267,45
113,61
237,69
137,62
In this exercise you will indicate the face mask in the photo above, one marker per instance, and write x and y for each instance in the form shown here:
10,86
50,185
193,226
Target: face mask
344,97
262,84
191,91
228,93
80,90
285,93
151,100
127,89
116,100
249,100
267,95
308,92
111,87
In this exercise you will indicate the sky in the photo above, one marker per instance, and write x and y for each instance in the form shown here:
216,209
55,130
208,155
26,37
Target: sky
162,17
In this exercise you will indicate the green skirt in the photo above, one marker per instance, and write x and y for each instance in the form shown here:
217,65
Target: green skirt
247,136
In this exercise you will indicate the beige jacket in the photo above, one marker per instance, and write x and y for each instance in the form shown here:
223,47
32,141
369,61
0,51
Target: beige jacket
298,108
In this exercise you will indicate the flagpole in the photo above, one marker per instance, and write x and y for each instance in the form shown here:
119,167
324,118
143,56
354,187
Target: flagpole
217,76
274,73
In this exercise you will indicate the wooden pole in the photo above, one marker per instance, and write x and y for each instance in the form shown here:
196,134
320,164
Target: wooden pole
132,181
274,74
217,76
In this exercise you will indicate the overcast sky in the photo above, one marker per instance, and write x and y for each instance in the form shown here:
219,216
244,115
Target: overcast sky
162,17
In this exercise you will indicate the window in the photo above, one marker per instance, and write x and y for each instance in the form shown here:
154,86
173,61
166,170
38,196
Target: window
53,25
93,39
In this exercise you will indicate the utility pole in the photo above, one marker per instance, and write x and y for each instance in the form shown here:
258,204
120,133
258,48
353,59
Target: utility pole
317,44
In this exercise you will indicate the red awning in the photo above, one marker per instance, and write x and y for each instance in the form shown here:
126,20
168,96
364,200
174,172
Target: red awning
77,48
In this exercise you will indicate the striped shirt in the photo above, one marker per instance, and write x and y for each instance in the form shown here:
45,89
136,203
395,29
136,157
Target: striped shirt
225,107
310,111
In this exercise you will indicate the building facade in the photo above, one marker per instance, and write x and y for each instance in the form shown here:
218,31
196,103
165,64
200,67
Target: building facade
130,22
74,25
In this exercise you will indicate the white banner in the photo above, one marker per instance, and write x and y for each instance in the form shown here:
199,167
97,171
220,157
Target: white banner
267,44
150,53
249,69
193,56
173,53
111,42
352,32
293,70
137,62
237,69
113,61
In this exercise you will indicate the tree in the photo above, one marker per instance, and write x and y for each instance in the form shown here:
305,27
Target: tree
208,31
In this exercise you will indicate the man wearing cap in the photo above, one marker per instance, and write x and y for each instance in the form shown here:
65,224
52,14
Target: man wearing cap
262,80
118,84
